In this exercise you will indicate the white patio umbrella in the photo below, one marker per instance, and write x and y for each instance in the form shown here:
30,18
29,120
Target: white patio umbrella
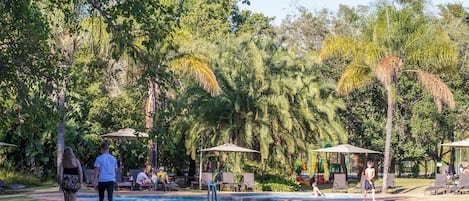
347,149
228,147
7,145
458,144
124,134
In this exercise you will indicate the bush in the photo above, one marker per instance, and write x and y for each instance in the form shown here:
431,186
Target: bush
278,183
19,178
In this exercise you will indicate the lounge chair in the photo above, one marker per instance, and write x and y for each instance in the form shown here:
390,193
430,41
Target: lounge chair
89,177
340,183
439,185
205,178
228,180
133,174
122,182
462,187
248,181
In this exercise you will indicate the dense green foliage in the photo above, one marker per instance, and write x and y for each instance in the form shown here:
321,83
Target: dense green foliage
150,65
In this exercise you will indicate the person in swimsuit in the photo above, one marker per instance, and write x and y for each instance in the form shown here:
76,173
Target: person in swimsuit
70,175
315,188
369,185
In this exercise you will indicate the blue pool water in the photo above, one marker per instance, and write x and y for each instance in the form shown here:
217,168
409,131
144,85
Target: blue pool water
247,197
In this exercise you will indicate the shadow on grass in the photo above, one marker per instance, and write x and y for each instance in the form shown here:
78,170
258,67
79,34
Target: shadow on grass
399,190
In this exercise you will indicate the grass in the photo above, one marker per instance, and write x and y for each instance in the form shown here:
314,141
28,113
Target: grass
23,194
406,189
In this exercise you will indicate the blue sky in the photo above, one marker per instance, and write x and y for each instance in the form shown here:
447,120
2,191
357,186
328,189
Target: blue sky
281,8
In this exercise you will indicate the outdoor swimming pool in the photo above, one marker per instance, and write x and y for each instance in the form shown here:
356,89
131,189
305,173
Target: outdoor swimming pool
245,197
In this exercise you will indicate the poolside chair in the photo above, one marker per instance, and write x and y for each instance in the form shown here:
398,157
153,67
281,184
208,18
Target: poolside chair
228,180
439,185
121,182
133,174
462,187
89,177
248,181
340,183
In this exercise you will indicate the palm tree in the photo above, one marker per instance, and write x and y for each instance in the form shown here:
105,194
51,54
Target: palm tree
390,38
271,101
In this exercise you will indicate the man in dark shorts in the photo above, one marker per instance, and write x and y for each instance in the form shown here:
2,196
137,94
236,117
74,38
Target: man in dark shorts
369,176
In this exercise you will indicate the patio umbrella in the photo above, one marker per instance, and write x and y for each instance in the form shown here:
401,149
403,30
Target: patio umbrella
228,147
7,145
124,134
457,144
347,149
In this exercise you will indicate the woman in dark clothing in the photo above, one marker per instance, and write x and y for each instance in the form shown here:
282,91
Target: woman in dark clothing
70,175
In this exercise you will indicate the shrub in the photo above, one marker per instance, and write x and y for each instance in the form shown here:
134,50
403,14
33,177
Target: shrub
19,178
277,183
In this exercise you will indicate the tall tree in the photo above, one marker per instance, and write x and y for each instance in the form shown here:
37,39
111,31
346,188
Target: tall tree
395,34
26,70
65,21
145,30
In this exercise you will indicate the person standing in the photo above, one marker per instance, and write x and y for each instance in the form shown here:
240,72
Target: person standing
105,169
70,175
369,176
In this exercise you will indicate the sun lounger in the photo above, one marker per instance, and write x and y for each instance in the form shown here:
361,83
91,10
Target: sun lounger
439,185
340,183
136,186
122,182
89,177
205,178
462,187
228,180
248,181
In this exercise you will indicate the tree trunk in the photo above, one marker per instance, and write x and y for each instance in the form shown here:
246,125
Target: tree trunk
61,125
150,109
387,145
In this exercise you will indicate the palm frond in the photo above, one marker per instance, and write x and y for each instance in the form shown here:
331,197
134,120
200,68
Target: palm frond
431,48
354,76
437,88
337,46
199,70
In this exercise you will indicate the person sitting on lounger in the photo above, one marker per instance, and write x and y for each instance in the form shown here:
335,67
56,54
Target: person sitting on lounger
142,177
161,176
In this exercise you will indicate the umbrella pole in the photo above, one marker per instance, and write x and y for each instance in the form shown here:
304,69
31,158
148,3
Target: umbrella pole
200,171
